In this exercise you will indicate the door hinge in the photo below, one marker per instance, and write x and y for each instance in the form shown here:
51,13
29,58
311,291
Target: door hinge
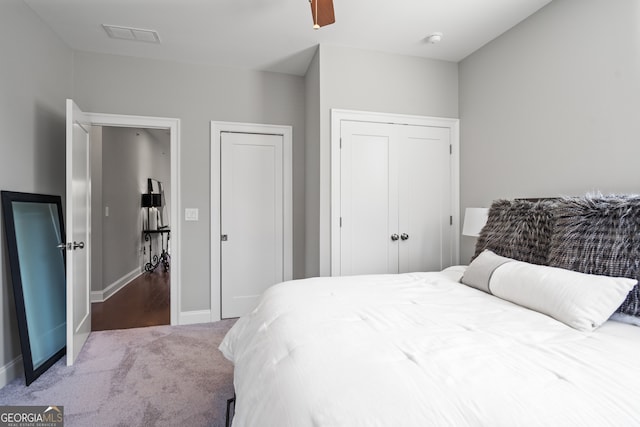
341,143
450,149
450,219
340,221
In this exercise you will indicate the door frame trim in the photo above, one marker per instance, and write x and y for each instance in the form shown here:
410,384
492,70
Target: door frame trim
217,128
173,125
338,115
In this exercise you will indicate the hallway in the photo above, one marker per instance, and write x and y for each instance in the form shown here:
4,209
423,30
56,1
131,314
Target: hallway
142,302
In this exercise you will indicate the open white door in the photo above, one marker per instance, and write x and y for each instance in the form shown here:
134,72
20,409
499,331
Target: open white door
78,229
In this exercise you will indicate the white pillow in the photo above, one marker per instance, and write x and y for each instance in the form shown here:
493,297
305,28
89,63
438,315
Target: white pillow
582,301
479,272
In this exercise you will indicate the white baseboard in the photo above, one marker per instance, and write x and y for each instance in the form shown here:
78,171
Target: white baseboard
102,296
195,316
11,371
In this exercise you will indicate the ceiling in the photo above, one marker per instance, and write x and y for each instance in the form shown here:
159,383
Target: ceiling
277,35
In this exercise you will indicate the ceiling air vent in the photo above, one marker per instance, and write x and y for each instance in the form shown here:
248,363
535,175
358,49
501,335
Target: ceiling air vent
133,34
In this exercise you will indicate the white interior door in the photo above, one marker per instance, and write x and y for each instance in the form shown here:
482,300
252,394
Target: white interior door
395,198
252,218
368,199
78,229
424,200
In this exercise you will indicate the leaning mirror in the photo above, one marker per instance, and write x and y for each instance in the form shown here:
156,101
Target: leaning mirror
34,230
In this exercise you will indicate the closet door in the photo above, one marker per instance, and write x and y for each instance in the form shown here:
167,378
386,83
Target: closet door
395,198
424,198
368,199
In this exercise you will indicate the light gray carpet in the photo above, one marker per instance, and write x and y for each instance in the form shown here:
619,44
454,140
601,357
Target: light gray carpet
156,376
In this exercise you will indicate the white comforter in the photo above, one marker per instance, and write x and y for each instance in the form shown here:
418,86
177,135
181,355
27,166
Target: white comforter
421,349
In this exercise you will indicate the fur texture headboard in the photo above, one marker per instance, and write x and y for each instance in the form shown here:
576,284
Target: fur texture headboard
593,234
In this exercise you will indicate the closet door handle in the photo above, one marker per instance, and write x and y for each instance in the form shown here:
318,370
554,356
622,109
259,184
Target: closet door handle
394,237
404,236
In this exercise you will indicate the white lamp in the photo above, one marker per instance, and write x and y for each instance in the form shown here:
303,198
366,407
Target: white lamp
474,220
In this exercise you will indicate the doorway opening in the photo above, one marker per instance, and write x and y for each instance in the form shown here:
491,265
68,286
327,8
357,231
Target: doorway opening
79,210
171,125
131,201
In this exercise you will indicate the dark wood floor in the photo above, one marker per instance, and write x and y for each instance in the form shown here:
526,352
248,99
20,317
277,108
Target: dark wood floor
142,302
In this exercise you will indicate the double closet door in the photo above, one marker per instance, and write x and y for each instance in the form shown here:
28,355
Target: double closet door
395,198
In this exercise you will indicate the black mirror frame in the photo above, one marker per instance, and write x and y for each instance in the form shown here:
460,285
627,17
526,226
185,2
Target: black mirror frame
8,197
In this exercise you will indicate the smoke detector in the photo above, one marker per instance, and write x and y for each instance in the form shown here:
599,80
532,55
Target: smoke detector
434,38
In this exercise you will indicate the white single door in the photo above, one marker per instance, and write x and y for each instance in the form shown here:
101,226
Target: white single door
252,218
424,198
368,199
78,229
395,198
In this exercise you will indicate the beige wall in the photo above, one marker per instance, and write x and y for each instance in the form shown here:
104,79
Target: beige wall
551,107
35,78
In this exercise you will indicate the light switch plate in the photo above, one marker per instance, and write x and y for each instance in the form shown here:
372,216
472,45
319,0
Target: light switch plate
191,214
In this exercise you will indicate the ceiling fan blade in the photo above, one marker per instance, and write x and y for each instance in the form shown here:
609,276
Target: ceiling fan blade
325,14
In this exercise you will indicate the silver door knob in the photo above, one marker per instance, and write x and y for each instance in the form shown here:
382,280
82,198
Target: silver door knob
78,245
404,236
394,237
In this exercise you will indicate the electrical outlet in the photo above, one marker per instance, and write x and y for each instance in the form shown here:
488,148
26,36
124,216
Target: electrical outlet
191,214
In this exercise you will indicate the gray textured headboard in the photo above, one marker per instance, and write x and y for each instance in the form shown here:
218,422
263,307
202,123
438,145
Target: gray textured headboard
592,234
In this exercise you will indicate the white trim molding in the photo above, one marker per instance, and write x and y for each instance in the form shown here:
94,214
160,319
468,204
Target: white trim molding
217,128
112,289
11,371
195,316
452,124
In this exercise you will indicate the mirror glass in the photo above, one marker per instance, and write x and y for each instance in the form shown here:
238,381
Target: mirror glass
34,229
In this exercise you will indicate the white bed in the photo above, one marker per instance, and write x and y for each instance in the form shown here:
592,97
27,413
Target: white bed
422,349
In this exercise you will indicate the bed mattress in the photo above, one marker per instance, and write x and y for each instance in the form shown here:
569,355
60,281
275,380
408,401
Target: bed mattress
422,349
